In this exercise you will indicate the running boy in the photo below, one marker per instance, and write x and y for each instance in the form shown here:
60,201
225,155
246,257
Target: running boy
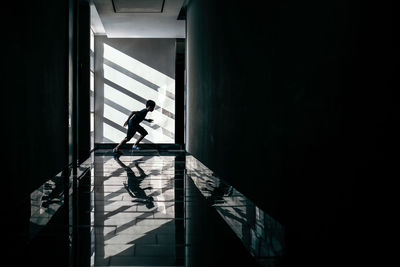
133,121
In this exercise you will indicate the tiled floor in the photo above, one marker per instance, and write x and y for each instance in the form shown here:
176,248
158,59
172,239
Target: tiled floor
136,210
152,208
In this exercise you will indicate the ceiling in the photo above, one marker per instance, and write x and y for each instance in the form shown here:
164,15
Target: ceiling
137,18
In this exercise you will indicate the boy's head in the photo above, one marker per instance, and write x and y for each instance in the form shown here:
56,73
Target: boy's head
150,104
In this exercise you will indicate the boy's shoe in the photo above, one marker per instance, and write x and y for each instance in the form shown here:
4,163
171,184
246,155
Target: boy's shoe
115,151
135,147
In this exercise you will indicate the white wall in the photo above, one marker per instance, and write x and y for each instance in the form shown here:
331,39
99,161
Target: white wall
128,72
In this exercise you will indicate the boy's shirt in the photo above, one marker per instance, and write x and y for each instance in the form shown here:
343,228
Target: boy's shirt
138,117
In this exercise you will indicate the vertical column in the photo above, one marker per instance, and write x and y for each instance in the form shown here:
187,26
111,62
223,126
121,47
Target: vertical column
83,210
83,89
71,126
179,169
68,128
99,89
179,92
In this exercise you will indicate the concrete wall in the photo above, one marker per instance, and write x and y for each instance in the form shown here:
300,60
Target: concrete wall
292,103
128,72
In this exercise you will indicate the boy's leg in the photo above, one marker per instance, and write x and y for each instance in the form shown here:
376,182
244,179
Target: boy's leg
139,139
142,132
120,144
130,133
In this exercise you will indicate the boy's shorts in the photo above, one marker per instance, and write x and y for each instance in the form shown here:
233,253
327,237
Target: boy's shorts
133,129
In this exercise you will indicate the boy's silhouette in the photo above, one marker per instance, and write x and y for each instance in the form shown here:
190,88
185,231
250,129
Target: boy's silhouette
133,121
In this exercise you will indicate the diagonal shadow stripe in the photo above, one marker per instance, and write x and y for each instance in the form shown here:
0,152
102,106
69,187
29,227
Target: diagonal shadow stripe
112,195
137,78
114,212
130,74
125,91
119,171
114,125
166,112
106,140
170,95
117,106
130,224
167,133
127,112
137,97
167,187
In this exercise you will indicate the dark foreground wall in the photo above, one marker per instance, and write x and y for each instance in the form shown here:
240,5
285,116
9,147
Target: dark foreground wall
292,103
37,61
35,91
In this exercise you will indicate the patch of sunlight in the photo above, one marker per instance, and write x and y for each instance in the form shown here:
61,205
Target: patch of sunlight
127,237
138,88
132,104
113,134
114,115
110,113
161,198
92,82
132,88
139,68
122,99
156,136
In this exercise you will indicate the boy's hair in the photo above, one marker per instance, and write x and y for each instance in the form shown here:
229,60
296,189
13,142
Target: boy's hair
150,103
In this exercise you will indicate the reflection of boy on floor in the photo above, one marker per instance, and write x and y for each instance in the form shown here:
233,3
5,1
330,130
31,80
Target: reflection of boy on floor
133,121
133,184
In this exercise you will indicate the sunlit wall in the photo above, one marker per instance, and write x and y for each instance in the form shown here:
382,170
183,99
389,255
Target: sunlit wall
128,72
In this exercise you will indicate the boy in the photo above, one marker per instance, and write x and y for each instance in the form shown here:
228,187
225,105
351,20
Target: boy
133,121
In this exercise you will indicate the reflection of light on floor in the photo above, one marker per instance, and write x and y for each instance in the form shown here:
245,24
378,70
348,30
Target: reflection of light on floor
44,203
115,245
121,221
161,197
262,235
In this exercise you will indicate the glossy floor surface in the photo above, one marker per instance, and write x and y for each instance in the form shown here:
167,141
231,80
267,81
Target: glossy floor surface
150,208
136,210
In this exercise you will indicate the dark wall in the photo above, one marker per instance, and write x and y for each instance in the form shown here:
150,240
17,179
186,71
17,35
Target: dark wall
36,74
35,91
180,92
83,81
35,94
292,103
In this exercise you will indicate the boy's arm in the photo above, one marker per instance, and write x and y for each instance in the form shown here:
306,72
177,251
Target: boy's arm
149,120
130,116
